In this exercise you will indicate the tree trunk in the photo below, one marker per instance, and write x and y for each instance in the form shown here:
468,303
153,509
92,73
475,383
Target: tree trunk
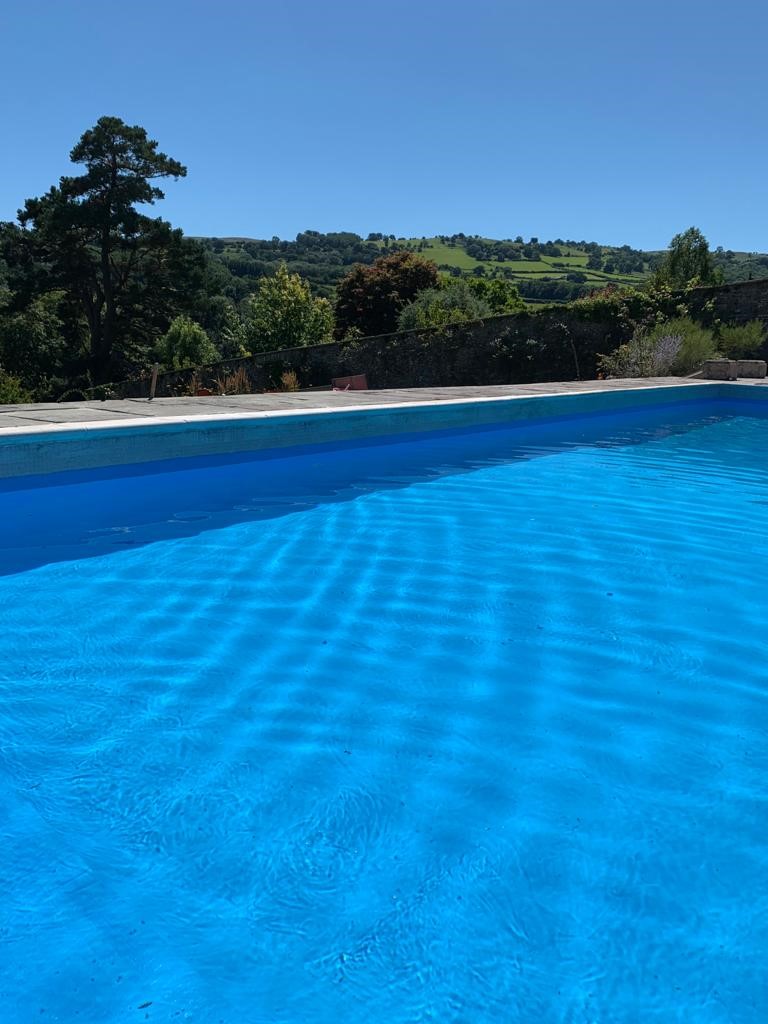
93,306
102,354
105,341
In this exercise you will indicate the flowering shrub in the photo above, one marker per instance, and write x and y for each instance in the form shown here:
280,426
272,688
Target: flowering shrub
643,356
697,344
677,347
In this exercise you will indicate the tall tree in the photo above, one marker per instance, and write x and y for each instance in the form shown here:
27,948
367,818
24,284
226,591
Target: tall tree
687,262
126,273
370,298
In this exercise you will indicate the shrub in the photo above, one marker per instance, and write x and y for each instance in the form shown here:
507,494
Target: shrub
235,383
677,347
643,356
742,341
12,392
616,305
454,302
697,344
186,344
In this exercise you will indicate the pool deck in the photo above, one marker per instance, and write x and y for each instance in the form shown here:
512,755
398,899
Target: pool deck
41,418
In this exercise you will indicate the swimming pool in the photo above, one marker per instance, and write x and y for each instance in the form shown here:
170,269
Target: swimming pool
461,727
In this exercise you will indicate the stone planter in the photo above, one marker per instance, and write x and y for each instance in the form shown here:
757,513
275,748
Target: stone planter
750,367
719,369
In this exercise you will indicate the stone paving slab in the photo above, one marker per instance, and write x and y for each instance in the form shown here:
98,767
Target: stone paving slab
60,415
9,421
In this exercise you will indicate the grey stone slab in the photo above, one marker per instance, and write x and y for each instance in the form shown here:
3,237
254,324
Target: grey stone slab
59,415
186,407
14,421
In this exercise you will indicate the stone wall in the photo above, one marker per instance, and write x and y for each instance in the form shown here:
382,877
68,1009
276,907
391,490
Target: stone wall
549,344
732,303
544,345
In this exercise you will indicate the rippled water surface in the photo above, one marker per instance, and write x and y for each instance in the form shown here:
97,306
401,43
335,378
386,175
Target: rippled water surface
467,729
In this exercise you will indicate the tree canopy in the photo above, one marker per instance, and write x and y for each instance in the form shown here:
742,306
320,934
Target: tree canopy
370,298
284,314
501,296
454,302
687,262
185,343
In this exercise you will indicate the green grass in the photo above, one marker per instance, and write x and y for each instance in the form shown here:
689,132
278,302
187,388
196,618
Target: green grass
570,261
441,253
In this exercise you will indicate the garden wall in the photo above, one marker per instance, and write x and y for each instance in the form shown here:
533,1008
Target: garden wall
550,344
539,346
732,303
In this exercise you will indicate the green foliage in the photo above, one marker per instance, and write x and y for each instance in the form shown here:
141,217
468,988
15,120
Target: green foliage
742,341
284,314
185,343
697,343
233,335
688,262
371,298
451,303
32,343
500,295
12,391
550,272
624,311
678,346
5,291
740,266
352,334
615,303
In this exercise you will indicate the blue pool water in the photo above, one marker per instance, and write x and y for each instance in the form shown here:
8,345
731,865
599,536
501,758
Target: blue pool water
465,728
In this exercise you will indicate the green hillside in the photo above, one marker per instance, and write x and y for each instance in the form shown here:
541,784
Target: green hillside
544,271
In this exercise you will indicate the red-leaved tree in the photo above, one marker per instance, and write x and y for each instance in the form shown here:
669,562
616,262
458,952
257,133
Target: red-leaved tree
370,298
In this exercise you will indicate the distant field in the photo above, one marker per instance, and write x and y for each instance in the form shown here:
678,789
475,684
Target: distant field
571,260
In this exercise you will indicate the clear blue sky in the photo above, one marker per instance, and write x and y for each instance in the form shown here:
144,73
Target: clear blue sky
575,118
